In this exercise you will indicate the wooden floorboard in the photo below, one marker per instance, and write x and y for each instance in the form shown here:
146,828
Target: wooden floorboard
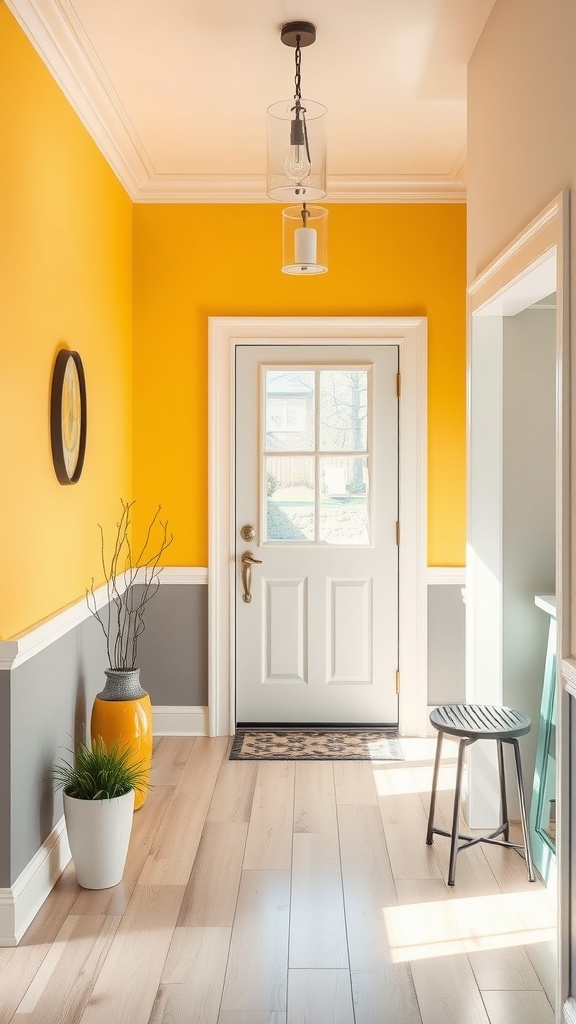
256,976
191,985
317,921
290,893
64,983
320,996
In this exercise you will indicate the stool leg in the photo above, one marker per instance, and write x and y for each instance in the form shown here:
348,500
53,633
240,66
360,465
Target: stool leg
503,800
429,834
527,846
456,815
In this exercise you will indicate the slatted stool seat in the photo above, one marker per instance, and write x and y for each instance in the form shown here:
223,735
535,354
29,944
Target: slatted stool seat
472,722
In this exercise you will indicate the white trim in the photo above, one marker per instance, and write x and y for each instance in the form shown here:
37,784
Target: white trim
25,646
446,575
59,39
569,675
569,1011
409,333
20,903
231,188
431,731
56,32
180,721
179,574
528,248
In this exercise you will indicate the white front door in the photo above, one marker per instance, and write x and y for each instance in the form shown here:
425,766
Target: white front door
317,481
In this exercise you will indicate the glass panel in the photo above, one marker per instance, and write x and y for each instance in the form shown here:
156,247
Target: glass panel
289,410
547,768
343,502
343,410
289,498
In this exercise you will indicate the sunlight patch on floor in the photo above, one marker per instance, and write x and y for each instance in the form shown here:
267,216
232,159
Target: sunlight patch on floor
421,931
408,779
414,774
423,748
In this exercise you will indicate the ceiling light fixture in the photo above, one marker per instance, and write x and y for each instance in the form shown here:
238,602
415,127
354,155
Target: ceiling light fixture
296,168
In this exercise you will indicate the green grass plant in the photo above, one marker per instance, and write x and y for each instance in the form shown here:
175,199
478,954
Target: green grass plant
98,772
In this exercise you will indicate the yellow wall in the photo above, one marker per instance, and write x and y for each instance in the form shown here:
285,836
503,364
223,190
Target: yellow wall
81,268
65,281
192,262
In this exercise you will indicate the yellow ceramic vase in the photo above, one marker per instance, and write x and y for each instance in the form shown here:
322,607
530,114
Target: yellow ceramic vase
122,711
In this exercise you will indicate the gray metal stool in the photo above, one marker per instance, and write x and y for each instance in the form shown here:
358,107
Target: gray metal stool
471,722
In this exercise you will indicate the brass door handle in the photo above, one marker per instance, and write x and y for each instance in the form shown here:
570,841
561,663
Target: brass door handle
248,561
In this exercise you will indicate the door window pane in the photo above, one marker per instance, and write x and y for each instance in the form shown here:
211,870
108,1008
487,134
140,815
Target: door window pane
343,410
290,498
318,491
289,416
343,501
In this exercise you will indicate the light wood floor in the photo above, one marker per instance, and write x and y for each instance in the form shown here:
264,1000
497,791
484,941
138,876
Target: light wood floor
289,893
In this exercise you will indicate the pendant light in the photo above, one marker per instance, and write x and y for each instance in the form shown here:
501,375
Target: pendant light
296,167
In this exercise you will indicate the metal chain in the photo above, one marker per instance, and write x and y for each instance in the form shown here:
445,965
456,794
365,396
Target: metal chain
297,76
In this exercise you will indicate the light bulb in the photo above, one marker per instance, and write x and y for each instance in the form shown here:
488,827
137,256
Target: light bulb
305,243
297,164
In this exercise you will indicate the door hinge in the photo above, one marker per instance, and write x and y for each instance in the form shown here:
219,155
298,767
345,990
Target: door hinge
397,533
398,385
397,682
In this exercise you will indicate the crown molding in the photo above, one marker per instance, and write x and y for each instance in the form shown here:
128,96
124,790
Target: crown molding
224,188
58,36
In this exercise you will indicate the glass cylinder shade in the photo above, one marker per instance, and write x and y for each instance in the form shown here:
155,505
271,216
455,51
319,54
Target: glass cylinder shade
296,172
304,240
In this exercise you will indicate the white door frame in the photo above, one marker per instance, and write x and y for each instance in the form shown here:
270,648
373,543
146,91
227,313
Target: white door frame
410,334
518,272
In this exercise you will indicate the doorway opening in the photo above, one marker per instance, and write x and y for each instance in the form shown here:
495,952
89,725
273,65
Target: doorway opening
518,506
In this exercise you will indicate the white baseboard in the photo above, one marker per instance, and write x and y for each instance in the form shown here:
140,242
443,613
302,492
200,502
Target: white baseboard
431,730
446,575
180,721
20,904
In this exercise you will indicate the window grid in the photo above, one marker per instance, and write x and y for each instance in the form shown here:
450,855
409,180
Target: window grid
316,452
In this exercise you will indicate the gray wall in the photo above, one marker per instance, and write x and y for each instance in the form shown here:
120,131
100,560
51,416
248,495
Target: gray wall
45,707
446,644
5,802
51,699
173,649
529,501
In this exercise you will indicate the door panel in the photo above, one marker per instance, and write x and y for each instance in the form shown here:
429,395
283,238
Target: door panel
350,631
285,639
317,477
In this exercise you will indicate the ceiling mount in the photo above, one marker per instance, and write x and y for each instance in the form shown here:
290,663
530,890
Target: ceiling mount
293,29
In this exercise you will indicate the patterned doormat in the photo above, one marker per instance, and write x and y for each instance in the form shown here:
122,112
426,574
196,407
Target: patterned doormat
323,745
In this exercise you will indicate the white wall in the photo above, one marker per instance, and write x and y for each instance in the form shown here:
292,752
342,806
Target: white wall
522,154
521,138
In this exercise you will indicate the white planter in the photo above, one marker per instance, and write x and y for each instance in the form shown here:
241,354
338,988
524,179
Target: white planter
99,834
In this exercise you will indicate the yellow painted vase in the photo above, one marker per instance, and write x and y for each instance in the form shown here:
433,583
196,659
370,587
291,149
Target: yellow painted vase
122,711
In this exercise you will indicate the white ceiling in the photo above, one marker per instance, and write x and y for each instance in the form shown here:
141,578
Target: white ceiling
175,91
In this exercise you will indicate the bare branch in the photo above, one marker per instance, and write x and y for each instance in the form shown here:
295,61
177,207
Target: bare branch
122,622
